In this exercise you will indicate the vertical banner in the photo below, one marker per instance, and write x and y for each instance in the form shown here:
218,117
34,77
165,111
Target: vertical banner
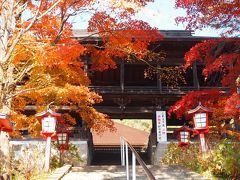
161,126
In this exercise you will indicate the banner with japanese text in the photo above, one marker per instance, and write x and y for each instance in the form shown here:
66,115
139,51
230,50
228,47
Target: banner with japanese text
161,126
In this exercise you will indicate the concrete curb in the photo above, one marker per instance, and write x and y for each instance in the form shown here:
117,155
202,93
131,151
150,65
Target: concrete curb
60,172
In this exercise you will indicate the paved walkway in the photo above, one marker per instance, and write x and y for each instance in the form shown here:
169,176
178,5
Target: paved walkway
119,173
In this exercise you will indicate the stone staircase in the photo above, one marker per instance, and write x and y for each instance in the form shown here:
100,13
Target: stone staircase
119,173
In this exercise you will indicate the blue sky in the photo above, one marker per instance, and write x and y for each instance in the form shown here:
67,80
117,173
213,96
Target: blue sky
160,14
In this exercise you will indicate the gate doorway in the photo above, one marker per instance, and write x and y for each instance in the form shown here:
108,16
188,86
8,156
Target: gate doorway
106,147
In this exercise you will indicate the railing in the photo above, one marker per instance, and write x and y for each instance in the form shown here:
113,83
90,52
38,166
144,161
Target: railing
124,160
150,89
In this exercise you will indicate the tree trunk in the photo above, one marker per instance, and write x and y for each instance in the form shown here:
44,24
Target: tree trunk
5,151
9,36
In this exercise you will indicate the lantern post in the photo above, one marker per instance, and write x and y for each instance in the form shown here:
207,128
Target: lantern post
48,120
63,141
183,135
200,117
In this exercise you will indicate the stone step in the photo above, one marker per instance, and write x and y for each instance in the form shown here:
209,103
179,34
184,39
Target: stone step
119,173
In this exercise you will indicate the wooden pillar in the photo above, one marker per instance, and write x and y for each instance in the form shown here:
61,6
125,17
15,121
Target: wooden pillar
86,65
152,141
154,122
122,75
195,77
159,81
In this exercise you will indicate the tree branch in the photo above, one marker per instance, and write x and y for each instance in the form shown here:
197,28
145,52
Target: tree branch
23,91
22,31
48,10
25,70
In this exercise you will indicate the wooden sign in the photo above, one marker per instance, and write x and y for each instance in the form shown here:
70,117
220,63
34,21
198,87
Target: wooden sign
161,126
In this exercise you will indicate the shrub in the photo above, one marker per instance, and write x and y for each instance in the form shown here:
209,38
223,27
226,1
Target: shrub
184,156
225,159
69,156
28,162
222,160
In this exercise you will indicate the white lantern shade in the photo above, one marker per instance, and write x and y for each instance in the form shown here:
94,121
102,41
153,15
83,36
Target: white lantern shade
184,136
49,124
200,120
62,138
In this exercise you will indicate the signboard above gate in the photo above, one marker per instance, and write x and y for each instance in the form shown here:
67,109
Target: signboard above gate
161,126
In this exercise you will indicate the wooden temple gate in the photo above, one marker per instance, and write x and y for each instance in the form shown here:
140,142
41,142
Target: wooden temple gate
128,95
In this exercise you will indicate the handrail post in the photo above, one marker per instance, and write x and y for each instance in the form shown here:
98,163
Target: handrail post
135,156
133,166
121,151
127,170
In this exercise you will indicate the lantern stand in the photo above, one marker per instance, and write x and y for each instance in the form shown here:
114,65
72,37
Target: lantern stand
183,135
63,141
48,119
200,116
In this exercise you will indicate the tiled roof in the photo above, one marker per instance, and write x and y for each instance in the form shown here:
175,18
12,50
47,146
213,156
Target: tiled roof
81,33
134,136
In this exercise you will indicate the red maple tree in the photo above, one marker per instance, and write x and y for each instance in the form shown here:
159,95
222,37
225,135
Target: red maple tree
218,55
40,61
220,15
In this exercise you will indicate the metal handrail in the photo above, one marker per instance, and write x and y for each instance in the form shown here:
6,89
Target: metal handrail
135,156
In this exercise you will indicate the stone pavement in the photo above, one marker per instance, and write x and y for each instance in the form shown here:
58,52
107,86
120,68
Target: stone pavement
60,172
119,173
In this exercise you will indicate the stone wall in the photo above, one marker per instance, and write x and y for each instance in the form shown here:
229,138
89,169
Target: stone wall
83,150
35,148
156,151
151,146
159,153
